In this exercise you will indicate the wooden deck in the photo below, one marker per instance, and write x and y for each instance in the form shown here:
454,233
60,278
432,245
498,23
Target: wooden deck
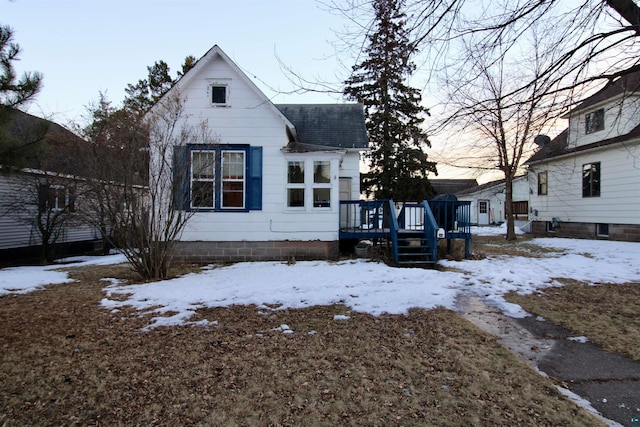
399,224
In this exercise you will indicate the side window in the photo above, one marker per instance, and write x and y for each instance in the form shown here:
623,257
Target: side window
295,184
55,198
591,180
594,121
543,178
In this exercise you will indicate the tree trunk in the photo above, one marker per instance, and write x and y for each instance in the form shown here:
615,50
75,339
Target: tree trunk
508,206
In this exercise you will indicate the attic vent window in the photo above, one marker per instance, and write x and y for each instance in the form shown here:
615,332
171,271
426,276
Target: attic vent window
218,91
219,94
594,121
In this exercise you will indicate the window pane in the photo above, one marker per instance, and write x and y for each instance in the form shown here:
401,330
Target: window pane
295,173
542,183
232,165
233,194
591,180
202,164
322,172
321,197
295,197
219,94
202,194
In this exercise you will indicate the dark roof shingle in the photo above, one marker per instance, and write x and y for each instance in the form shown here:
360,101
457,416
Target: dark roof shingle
329,125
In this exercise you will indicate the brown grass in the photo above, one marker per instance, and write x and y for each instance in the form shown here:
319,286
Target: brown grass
607,314
67,361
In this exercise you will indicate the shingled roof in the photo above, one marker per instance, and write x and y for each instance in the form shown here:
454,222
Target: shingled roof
625,84
60,147
558,145
332,126
451,186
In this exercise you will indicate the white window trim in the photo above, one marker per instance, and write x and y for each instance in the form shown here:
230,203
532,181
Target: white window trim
295,186
219,83
243,180
213,180
318,185
309,185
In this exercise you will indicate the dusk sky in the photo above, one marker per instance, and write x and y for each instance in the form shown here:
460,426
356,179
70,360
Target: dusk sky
87,47
84,47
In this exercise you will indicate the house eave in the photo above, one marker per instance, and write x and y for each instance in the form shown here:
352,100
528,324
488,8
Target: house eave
591,148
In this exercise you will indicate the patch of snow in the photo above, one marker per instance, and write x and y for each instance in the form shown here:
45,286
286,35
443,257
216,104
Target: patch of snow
493,230
361,285
376,288
587,405
341,317
579,339
20,280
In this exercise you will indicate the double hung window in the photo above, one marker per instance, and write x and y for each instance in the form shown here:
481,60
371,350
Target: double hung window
295,184
543,182
53,198
233,179
322,184
218,178
591,180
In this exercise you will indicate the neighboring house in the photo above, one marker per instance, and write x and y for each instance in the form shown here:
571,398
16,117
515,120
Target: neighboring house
586,181
488,202
42,193
278,171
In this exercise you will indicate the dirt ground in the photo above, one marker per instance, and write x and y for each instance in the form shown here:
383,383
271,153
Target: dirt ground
68,361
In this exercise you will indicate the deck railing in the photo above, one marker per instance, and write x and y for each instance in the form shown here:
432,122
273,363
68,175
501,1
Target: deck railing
379,219
366,218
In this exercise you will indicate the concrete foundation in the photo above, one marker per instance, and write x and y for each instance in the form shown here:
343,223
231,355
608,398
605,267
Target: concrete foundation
586,230
211,252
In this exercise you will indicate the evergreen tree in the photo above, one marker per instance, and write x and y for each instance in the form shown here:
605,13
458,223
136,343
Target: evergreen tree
142,95
189,63
16,145
397,161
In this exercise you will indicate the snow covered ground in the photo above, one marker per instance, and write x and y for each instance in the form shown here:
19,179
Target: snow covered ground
359,284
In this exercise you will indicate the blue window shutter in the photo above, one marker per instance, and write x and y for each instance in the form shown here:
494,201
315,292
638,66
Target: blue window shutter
254,190
181,177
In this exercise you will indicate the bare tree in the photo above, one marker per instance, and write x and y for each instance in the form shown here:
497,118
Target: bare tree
135,184
499,122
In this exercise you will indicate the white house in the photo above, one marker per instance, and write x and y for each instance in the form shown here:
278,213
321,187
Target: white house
586,181
488,202
275,175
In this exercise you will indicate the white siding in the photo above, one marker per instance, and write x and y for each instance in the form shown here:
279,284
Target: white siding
619,201
251,119
620,117
495,195
15,233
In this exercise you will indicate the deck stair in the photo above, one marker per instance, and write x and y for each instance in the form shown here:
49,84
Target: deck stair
413,250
